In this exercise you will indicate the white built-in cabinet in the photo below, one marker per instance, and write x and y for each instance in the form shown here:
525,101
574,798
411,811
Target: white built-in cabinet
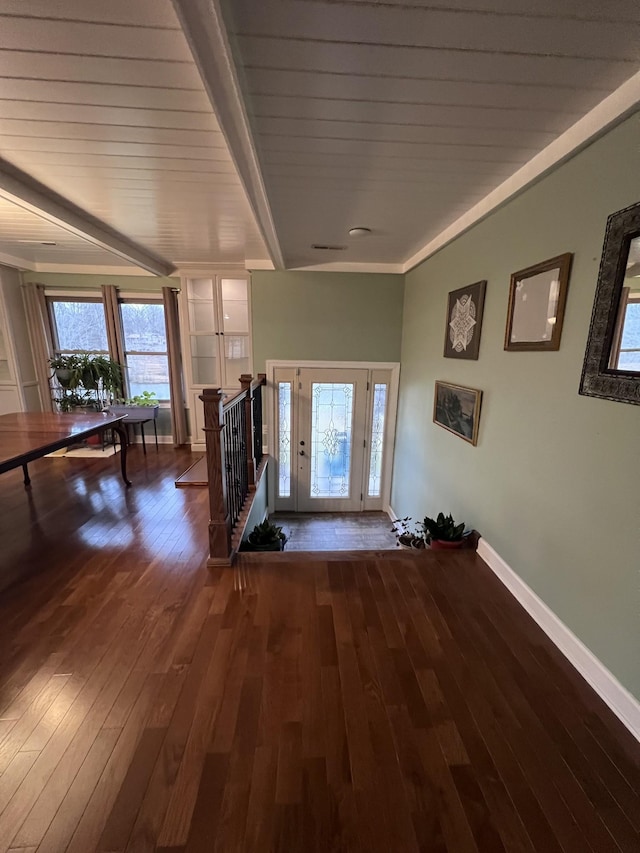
19,391
216,337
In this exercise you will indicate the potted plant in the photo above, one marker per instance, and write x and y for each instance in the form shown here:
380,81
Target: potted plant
406,536
443,532
265,537
85,381
141,407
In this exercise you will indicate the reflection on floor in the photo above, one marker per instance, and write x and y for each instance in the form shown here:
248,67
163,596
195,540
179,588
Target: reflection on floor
336,531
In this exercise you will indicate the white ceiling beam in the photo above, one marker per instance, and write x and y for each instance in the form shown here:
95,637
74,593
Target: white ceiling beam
25,192
16,262
613,109
203,25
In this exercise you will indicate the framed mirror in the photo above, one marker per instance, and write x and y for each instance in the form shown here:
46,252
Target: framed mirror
612,359
537,297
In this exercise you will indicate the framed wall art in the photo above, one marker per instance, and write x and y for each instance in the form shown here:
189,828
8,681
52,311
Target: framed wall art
537,298
457,409
464,321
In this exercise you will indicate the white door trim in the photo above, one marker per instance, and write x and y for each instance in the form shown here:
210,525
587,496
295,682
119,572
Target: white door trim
272,365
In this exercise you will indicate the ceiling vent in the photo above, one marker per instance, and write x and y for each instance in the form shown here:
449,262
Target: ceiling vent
324,248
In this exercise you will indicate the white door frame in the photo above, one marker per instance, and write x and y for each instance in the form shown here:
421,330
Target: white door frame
271,401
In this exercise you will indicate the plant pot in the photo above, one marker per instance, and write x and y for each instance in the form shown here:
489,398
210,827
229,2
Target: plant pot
441,545
410,543
268,546
135,414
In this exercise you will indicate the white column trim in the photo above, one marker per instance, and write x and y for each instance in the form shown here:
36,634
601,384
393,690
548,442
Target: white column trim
625,706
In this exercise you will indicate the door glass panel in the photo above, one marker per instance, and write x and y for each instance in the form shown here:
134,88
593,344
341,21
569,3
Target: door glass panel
377,439
284,439
201,316
235,316
331,429
200,288
204,362
236,353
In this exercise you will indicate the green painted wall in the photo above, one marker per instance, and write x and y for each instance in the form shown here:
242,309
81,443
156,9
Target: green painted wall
554,483
326,316
74,281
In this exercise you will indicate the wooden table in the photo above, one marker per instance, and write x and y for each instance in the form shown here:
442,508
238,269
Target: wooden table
25,436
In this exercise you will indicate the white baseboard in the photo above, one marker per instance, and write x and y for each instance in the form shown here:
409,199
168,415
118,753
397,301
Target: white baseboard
151,439
391,513
625,706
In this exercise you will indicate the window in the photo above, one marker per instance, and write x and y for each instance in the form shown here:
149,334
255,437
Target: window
145,347
629,356
78,325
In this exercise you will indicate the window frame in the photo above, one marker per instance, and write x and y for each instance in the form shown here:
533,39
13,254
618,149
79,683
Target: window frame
53,325
141,300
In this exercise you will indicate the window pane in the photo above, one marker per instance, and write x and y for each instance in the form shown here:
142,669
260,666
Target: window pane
377,439
143,327
331,427
148,373
284,439
80,326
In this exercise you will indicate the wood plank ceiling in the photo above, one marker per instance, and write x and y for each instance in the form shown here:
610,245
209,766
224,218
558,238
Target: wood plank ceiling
401,115
102,103
398,116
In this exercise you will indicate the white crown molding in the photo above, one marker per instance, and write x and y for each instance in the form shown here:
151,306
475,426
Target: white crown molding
91,269
612,109
14,261
202,22
259,264
390,269
625,706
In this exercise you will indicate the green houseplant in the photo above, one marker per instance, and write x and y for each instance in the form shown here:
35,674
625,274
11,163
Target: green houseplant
266,537
443,532
86,381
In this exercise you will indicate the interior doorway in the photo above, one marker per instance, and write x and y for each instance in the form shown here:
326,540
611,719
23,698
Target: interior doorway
332,435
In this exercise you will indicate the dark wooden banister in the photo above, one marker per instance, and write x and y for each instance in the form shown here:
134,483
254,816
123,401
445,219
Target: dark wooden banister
231,457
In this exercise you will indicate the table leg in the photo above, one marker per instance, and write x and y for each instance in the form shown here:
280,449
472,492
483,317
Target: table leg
144,446
155,432
27,478
122,435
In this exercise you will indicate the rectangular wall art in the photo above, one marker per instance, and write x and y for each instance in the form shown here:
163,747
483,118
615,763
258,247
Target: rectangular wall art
457,409
464,321
537,296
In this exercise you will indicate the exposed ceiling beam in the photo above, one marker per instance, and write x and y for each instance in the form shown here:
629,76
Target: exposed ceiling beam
203,25
24,191
14,261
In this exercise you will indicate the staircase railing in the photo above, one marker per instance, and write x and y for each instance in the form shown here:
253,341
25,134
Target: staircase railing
233,436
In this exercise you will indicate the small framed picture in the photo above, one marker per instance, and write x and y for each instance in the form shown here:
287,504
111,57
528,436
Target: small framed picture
464,321
457,409
537,298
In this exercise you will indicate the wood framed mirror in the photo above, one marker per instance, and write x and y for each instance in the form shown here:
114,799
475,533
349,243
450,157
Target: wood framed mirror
611,367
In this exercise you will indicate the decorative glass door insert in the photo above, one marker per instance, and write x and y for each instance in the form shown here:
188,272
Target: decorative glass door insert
331,434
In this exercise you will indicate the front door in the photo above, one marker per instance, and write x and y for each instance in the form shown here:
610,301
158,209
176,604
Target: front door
331,437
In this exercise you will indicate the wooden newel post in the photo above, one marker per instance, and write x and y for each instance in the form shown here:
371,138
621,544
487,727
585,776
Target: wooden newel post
245,383
219,520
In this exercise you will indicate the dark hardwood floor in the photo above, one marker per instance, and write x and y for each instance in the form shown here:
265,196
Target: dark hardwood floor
335,702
